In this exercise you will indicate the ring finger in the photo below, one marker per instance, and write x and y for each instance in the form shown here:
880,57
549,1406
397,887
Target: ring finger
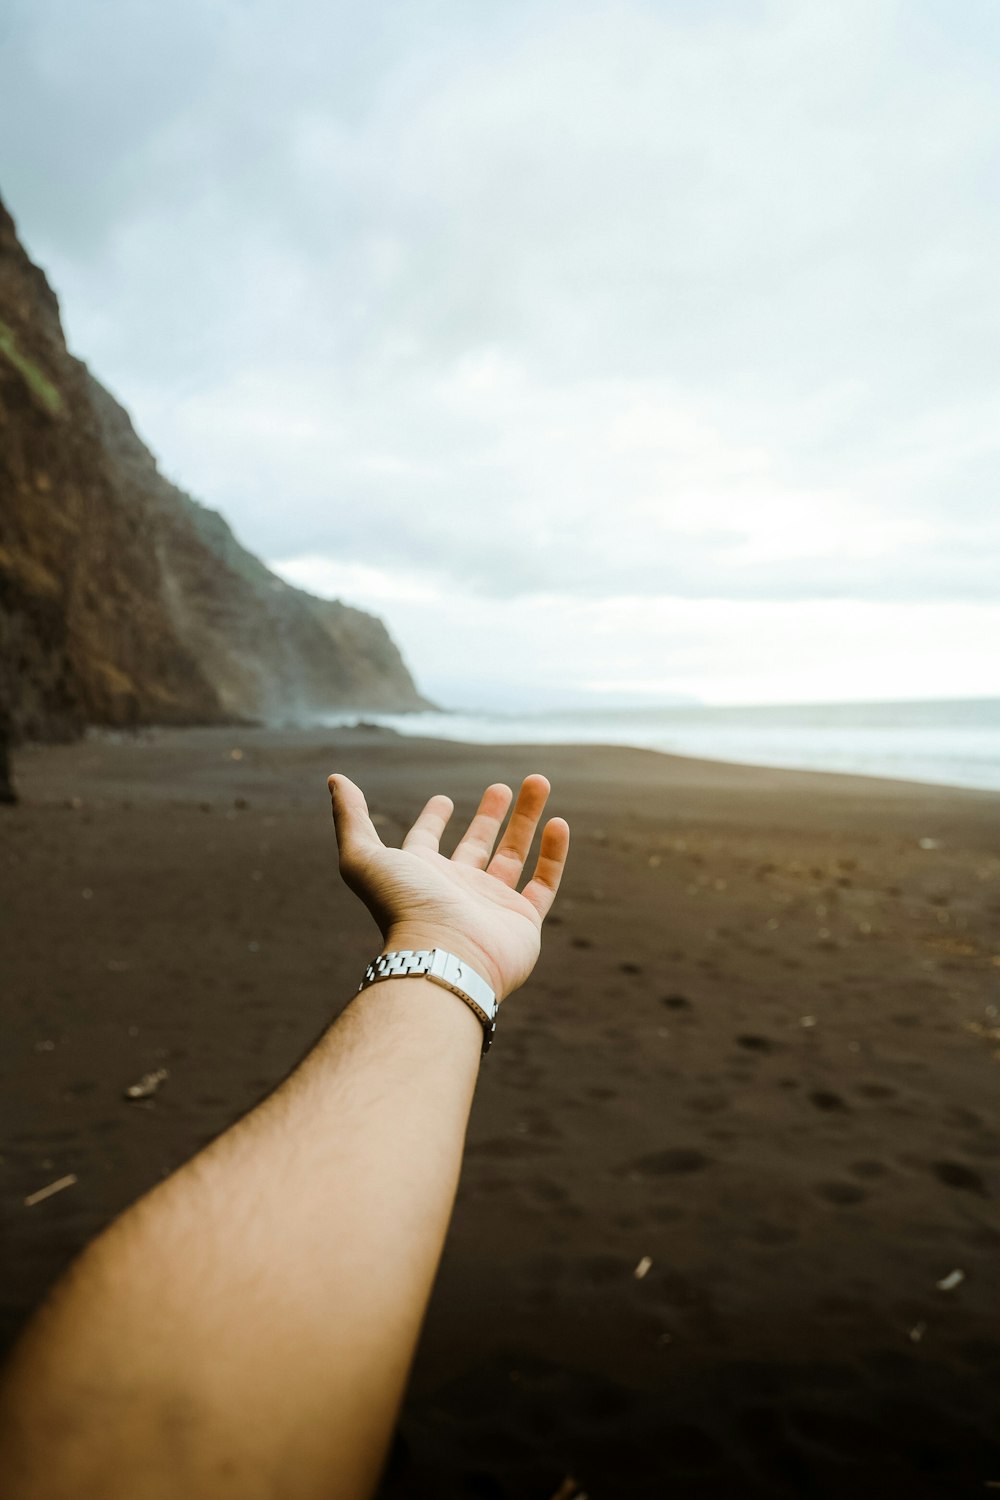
508,862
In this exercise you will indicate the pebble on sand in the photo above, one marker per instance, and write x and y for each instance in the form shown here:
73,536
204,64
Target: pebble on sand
47,1192
147,1085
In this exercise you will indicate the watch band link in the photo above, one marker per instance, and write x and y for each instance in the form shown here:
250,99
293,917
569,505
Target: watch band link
445,969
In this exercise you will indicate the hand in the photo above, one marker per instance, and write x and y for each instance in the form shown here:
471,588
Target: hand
468,904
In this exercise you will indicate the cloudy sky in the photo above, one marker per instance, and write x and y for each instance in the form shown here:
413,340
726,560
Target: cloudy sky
637,347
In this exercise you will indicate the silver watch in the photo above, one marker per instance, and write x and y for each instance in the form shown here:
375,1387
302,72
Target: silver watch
444,968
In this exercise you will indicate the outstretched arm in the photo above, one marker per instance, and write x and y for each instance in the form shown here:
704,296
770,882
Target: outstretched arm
246,1329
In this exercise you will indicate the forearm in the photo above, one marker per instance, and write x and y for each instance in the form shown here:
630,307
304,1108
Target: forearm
247,1327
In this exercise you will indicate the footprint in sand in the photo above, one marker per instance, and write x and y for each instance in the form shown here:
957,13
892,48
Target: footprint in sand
676,1159
957,1114
824,1099
754,1042
956,1174
677,1002
843,1194
630,968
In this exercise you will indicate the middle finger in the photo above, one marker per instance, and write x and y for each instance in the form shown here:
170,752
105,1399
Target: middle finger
508,862
476,844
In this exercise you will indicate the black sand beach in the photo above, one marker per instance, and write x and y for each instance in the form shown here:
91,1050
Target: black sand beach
731,1145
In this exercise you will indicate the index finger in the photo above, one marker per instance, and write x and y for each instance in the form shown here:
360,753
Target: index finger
430,825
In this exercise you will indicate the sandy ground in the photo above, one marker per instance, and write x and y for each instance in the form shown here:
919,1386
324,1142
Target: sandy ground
756,1055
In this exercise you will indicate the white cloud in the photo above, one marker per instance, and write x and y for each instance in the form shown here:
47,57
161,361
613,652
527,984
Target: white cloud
722,650
688,306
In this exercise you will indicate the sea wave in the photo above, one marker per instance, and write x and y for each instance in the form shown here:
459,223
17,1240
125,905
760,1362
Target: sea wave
953,743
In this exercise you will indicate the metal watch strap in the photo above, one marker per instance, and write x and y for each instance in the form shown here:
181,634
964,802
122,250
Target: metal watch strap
443,968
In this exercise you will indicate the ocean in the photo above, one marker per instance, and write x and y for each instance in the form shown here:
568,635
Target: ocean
954,743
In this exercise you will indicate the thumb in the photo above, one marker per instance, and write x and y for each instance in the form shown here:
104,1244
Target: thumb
356,832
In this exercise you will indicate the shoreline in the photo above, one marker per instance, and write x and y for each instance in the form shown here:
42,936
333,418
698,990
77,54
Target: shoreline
782,737
766,738
758,1049
373,734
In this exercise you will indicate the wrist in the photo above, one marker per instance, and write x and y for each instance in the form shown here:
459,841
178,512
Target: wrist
431,935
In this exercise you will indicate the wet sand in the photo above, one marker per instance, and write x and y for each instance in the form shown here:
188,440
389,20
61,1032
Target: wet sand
758,1059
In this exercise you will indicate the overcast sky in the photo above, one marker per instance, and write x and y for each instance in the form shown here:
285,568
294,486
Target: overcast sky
650,346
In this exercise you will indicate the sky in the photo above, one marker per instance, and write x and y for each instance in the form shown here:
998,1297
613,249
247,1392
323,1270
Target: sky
612,351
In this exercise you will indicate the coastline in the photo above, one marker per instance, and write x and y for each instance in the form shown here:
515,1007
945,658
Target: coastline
756,1050
936,743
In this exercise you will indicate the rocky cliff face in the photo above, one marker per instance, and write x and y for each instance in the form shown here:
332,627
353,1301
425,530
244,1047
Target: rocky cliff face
270,651
123,601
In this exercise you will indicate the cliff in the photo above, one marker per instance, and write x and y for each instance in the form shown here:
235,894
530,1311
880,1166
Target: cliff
122,600
270,651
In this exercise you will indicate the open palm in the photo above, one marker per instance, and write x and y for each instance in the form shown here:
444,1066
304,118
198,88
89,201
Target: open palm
468,904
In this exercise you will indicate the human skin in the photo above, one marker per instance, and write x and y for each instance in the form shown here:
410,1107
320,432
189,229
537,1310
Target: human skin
246,1328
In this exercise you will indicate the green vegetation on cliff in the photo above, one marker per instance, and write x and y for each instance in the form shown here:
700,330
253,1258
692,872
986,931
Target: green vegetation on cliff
36,381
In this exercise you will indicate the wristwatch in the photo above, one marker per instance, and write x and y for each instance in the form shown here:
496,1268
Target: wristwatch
443,968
